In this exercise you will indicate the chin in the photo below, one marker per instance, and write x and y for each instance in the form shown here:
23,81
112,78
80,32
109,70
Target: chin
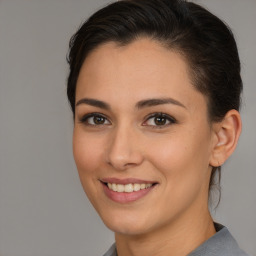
130,229
126,223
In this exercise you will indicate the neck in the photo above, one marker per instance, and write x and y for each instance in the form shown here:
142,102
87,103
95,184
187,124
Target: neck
178,238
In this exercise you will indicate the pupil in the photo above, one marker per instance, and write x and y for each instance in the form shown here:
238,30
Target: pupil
98,120
160,120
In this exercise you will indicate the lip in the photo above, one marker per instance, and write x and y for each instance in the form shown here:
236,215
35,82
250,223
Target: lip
127,181
123,197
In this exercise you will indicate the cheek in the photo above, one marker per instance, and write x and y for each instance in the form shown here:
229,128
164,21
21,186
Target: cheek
87,153
177,150
183,160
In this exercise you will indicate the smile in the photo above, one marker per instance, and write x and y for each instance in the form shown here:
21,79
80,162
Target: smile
128,188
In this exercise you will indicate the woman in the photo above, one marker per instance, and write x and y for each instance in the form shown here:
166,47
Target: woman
154,87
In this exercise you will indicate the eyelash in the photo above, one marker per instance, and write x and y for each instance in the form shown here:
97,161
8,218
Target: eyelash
165,117
85,119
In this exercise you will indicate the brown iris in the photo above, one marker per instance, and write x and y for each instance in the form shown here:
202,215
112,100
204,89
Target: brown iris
99,120
160,120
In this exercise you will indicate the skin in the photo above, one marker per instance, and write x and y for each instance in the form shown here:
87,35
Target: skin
173,219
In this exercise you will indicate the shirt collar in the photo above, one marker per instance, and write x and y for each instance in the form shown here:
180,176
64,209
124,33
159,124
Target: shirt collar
221,243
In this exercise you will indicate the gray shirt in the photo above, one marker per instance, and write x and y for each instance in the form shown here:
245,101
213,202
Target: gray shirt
221,243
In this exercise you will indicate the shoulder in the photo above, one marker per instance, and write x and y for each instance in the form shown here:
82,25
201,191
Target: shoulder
222,243
111,251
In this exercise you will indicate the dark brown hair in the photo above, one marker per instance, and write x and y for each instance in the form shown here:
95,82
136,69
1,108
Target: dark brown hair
205,41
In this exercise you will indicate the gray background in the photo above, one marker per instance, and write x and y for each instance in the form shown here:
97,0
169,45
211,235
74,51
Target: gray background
43,209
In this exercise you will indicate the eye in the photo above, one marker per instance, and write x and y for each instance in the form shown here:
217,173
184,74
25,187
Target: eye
159,119
95,119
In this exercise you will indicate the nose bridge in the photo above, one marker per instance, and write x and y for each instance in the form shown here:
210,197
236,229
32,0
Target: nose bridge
123,150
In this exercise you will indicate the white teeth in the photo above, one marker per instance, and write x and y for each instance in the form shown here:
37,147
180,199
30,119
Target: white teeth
128,188
136,187
114,187
120,188
142,186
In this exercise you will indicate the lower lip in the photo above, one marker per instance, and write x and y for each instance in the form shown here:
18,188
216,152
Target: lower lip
124,197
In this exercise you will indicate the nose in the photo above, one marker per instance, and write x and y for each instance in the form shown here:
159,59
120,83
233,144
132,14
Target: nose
124,150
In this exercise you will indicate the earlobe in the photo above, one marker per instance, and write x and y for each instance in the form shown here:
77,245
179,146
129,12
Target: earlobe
226,134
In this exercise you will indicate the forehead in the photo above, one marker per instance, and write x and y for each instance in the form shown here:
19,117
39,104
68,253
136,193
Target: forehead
141,69
142,55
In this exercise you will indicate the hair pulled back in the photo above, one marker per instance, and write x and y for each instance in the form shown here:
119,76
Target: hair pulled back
206,43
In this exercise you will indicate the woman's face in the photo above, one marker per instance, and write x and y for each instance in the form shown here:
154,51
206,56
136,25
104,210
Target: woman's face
141,127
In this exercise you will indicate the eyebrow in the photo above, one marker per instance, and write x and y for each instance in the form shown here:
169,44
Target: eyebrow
156,102
139,105
94,103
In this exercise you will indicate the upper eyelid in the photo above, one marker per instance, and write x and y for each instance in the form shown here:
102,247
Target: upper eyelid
151,115
86,116
94,114
160,114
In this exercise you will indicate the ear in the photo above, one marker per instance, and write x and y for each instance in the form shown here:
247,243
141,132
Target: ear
226,135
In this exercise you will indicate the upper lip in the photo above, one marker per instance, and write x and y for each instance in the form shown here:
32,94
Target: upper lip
127,181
